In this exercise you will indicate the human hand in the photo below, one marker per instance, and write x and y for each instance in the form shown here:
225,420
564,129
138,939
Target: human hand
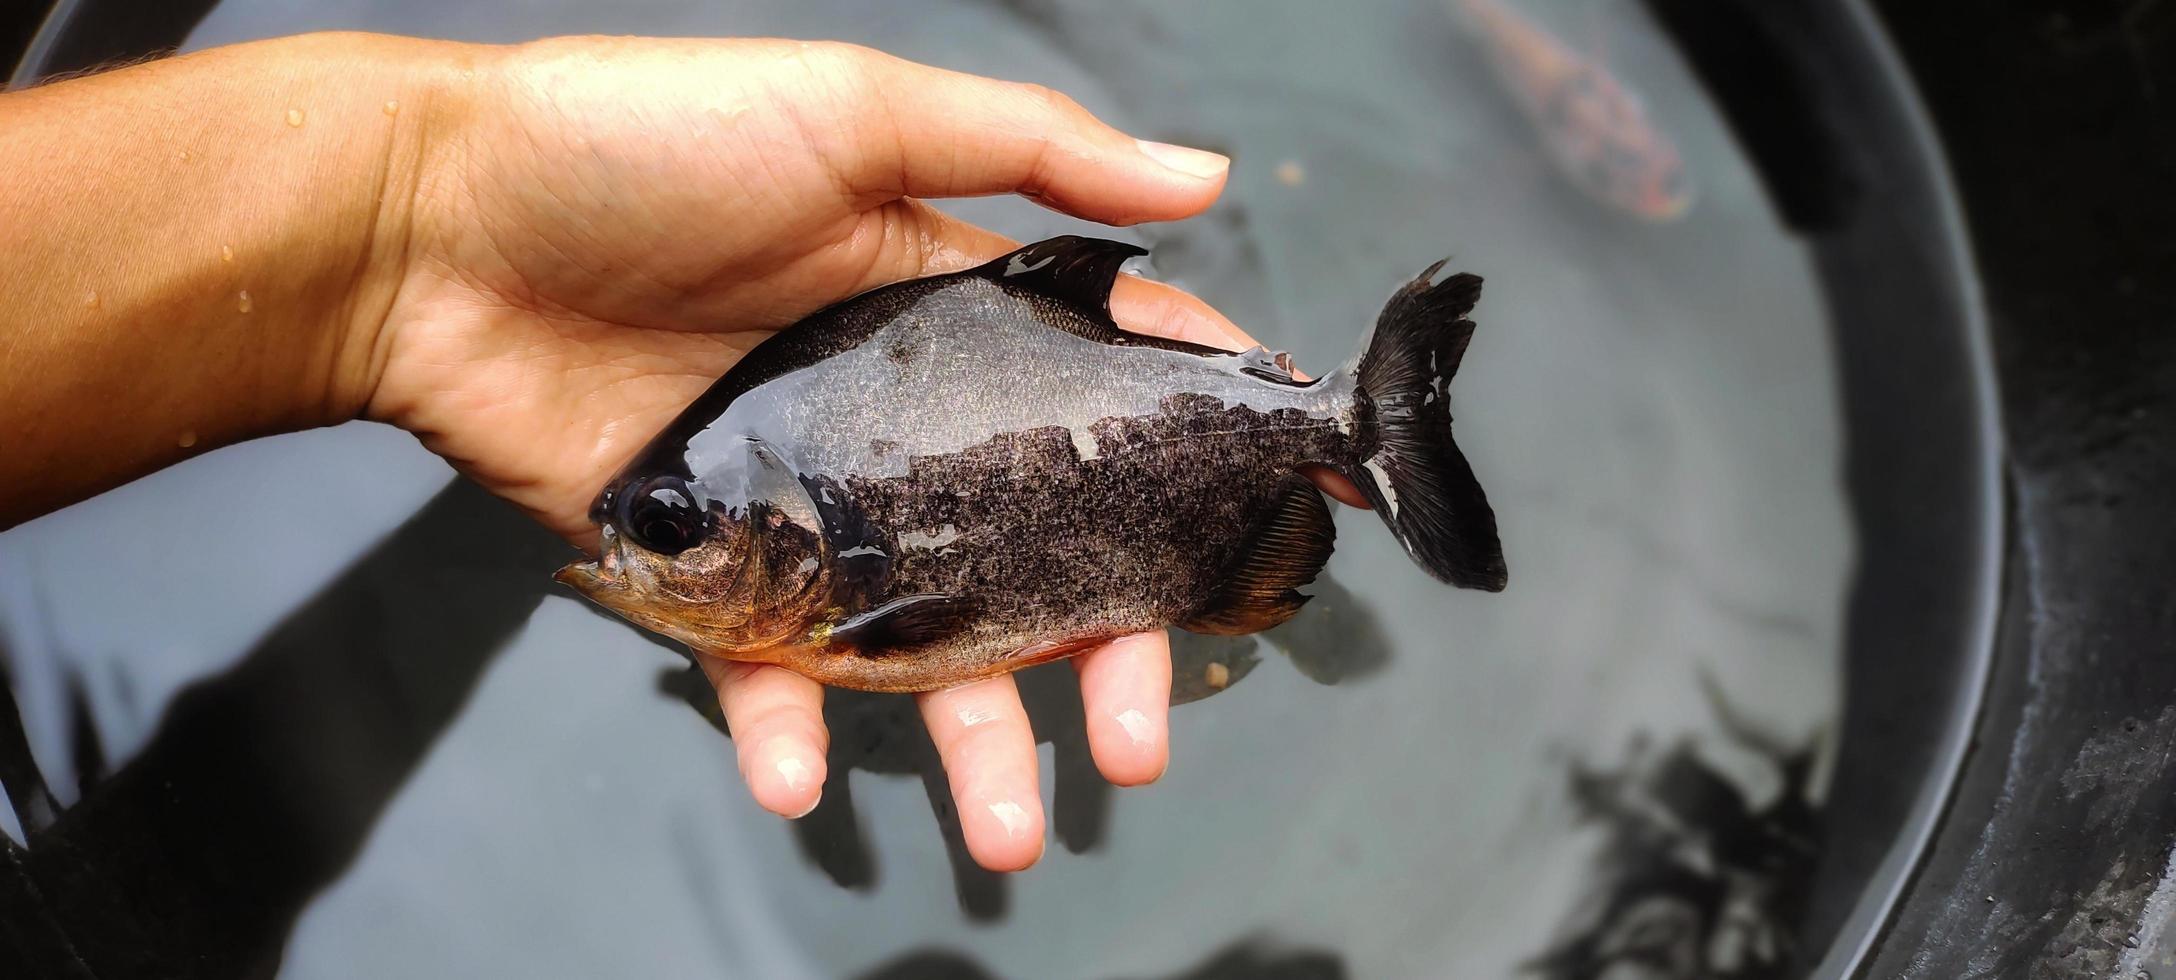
605,226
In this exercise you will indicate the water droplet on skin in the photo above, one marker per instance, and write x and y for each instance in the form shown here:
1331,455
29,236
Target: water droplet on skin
1291,174
187,439
1216,675
1136,724
183,156
392,108
794,772
1012,815
90,300
294,117
226,253
245,304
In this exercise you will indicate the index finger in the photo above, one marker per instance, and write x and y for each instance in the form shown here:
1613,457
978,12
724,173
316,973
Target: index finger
939,133
1145,306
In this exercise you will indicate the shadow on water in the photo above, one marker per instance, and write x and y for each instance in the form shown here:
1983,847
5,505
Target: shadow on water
1244,960
883,733
1335,637
260,785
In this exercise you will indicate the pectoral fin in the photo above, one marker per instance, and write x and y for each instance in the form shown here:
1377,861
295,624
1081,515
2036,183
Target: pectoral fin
1287,550
906,623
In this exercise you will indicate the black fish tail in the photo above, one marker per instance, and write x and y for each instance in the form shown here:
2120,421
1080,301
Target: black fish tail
1405,461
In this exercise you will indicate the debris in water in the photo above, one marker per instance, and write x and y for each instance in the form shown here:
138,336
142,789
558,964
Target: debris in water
1291,174
1217,675
1699,881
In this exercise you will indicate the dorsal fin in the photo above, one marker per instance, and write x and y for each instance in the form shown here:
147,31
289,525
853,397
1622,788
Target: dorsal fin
1079,272
1288,549
1071,269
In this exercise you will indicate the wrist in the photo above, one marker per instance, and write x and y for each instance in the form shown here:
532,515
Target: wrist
407,99
201,247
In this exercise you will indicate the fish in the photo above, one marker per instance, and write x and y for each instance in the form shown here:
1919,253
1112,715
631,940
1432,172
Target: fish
957,476
1595,129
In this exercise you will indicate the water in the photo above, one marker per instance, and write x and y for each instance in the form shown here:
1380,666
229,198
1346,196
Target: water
414,756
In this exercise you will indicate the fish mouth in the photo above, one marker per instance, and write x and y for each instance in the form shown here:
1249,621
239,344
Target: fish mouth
601,575
584,576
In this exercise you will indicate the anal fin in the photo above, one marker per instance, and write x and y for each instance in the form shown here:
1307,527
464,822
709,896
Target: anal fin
906,623
1287,549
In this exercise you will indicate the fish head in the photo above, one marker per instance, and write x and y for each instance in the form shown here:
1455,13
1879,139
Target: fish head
725,564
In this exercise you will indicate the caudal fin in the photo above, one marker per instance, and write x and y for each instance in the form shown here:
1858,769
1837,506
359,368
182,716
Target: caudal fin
1410,470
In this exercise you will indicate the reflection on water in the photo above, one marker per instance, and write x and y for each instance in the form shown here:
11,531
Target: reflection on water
1240,961
1694,878
383,746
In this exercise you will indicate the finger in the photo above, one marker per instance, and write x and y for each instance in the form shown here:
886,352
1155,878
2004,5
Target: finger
1145,306
909,239
1125,692
928,132
982,734
777,721
1335,484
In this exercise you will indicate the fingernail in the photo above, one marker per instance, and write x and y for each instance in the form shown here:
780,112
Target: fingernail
1198,164
1136,725
805,811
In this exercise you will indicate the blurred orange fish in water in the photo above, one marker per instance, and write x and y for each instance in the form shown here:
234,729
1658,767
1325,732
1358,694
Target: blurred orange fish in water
1595,129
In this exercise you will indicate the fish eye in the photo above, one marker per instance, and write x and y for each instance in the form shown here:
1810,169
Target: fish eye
661,515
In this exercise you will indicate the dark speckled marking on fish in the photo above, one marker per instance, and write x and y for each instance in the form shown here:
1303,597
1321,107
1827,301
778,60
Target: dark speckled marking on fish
954,477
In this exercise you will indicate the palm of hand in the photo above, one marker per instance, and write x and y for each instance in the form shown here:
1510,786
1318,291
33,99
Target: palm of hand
606,248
